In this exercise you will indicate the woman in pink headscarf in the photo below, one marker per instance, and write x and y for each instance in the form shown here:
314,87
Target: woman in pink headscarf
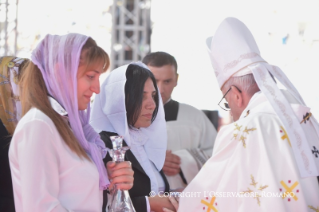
55,155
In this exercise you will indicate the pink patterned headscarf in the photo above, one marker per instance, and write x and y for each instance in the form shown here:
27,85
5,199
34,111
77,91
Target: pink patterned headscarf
58,59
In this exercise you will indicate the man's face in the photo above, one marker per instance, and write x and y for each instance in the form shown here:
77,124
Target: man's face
166,79
233,99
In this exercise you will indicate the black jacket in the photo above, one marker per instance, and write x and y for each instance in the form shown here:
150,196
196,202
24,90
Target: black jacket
6,190
141,186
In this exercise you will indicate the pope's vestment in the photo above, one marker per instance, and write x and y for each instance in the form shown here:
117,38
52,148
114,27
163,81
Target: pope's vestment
253,167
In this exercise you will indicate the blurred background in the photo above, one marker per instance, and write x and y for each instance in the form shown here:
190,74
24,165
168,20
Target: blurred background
287,33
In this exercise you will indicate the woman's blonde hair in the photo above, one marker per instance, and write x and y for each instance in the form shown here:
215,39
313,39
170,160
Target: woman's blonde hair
34,93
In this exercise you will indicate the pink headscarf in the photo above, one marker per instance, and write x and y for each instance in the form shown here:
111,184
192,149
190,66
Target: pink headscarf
58,59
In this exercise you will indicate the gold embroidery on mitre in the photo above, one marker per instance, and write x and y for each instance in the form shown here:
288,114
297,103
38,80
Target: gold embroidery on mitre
313,208
285,136
210,206
243,134
254,192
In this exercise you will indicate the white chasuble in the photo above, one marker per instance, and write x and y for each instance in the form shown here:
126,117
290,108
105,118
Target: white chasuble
192,138
253,167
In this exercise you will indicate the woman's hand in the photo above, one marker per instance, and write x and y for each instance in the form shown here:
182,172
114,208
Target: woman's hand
174,203
120,174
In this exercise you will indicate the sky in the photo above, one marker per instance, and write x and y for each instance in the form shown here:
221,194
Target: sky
180,27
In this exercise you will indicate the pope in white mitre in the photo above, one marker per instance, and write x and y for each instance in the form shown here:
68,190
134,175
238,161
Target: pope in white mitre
268,158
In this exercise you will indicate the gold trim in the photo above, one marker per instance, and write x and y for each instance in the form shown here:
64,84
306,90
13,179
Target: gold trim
254,183
289,189
210,205
313,208
285,136
242,135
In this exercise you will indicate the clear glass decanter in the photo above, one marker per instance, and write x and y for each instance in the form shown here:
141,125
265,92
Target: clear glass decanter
120,199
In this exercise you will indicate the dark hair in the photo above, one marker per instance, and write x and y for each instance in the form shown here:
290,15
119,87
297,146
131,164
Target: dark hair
136,77
159,59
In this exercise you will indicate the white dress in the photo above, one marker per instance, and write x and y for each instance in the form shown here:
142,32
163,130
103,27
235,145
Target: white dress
253,167
192,138
46,174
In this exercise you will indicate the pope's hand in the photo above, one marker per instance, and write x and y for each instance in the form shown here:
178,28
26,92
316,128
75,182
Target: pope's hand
172,164
120,174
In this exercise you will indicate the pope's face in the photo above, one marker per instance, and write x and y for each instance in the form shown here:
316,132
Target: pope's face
232,99
166,79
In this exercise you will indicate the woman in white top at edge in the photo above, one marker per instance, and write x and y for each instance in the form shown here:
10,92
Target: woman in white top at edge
55,155
130,105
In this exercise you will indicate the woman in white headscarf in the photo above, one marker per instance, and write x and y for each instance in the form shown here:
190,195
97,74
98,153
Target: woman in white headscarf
129,105
55,155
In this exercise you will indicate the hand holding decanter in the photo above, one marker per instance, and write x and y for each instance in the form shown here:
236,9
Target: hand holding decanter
121,201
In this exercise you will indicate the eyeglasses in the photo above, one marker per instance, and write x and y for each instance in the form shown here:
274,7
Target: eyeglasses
223,103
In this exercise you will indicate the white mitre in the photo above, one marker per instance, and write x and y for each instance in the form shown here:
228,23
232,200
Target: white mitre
234,52
232,49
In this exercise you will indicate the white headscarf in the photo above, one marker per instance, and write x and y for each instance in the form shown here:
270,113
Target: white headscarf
109,114
234,52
